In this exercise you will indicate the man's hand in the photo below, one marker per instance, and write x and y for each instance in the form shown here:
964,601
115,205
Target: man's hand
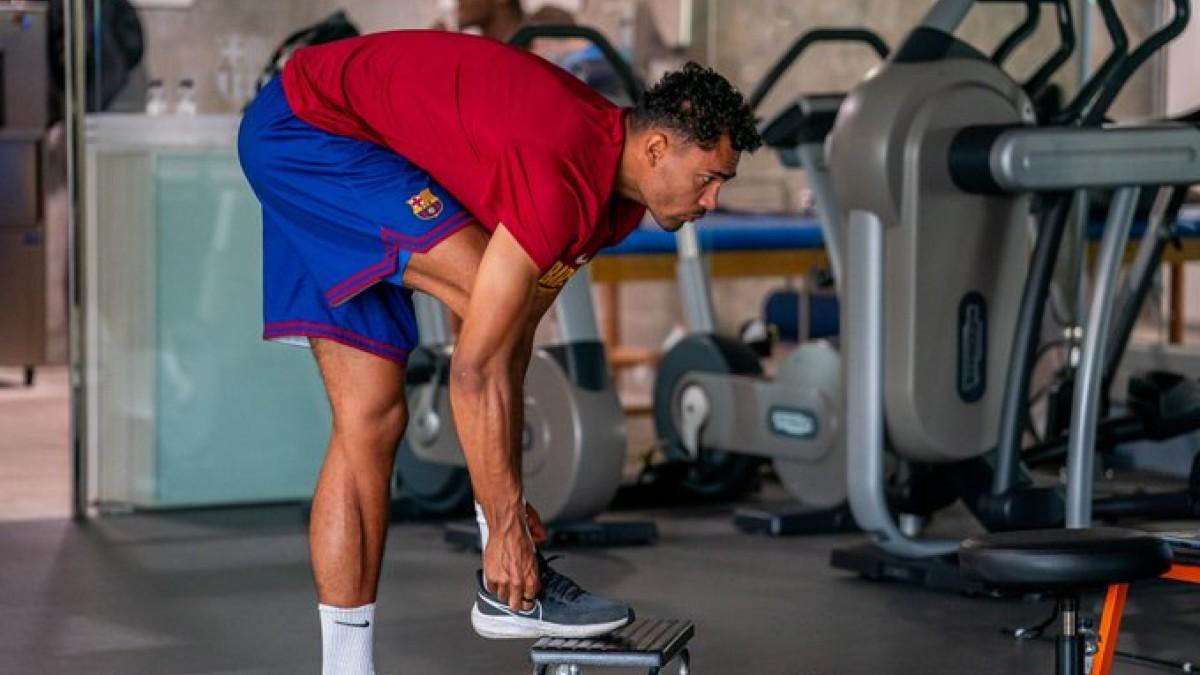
510,566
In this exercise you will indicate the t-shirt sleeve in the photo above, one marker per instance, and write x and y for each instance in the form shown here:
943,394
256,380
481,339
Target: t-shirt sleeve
543,201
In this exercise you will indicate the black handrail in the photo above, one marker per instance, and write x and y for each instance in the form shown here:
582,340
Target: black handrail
527,34
1096,111
1033,16
1073,113
817,35
1066,46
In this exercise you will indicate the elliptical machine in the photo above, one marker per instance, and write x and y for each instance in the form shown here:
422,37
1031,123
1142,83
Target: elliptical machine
798,133
936,159
714,409
574,428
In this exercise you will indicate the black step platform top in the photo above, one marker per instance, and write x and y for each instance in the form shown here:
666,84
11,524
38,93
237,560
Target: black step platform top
645,643
1064,559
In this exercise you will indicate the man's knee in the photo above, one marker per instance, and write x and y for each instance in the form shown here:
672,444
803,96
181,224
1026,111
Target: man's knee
371,432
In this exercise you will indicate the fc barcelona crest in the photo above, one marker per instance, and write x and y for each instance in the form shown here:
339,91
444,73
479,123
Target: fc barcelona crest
425,204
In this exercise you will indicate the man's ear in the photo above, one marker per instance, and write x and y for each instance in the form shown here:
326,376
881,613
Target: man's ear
656,145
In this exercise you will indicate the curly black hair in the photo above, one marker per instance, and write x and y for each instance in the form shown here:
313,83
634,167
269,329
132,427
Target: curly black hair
700,105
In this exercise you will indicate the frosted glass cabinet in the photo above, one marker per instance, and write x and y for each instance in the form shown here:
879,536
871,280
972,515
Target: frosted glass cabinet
184,404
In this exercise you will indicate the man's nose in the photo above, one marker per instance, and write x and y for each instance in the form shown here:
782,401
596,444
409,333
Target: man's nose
708,198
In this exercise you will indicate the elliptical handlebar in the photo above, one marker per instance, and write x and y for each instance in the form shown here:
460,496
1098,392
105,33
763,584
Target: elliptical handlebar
1094,112
947,15
1074,112
802,43
1033,15
1066,41
1066,46
527,34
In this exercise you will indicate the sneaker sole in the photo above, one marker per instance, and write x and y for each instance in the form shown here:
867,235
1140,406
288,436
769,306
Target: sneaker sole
515,627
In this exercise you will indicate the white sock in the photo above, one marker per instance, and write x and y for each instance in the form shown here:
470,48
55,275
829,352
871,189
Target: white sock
347,640
483,528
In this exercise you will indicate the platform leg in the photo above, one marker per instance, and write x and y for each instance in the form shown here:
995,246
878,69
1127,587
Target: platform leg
685,662
29,376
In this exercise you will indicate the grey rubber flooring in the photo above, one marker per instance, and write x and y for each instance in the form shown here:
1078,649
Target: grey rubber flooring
230,592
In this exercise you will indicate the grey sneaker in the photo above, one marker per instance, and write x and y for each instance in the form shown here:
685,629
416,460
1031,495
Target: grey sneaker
562,609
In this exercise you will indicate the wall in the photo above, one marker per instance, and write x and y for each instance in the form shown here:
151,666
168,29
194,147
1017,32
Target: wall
1183,89
192,42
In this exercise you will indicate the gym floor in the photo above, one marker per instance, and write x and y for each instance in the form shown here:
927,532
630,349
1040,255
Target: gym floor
229,591
35,458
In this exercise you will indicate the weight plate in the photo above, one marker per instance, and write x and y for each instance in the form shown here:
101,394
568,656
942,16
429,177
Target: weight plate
439,489
574,443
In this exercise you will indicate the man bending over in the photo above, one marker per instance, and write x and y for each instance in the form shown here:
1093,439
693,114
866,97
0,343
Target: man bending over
485,176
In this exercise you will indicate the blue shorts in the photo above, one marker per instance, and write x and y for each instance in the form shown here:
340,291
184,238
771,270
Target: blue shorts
341,218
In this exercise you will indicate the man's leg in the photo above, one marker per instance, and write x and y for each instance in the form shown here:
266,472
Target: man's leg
350,507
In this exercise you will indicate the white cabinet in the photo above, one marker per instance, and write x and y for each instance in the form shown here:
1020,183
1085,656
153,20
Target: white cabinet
185,404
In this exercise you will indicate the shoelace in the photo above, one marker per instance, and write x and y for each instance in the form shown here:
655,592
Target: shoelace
557,585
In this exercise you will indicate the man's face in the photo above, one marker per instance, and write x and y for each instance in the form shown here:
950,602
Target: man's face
684,180
475,12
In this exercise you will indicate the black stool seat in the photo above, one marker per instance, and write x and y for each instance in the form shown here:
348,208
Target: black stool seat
646,643
1063,560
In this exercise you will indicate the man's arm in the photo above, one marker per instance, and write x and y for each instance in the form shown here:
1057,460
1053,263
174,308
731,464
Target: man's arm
543,299
487,376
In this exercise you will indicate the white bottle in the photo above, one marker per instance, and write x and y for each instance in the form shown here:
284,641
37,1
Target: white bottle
186,105
156,98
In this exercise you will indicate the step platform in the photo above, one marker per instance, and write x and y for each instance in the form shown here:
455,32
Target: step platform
646,643
607,534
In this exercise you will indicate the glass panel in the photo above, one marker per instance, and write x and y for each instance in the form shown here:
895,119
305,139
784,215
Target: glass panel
237,419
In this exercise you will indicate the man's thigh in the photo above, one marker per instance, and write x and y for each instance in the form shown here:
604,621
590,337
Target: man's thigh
447,271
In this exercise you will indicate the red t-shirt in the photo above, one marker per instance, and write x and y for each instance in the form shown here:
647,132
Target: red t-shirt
514,138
